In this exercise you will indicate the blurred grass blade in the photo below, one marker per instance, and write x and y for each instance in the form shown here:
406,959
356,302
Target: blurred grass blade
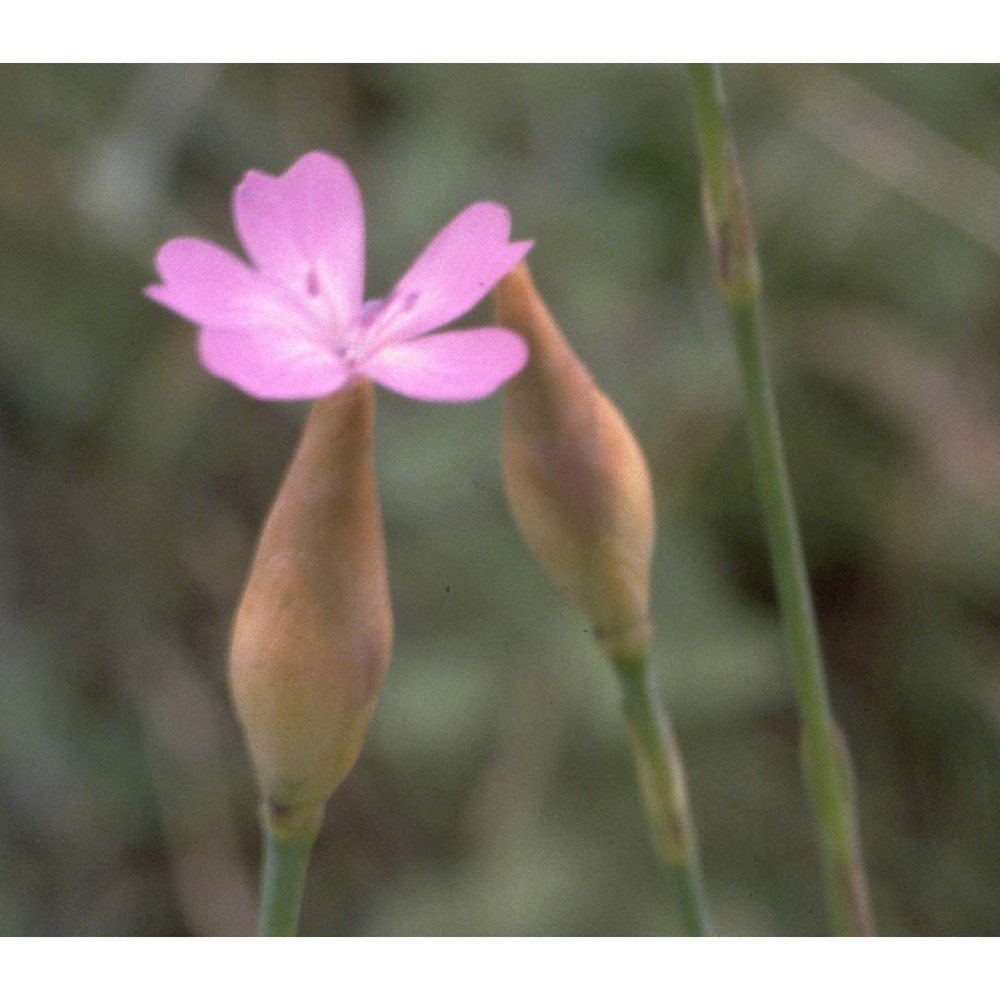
825,758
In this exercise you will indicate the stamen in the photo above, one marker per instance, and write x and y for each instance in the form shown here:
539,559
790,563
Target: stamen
375,324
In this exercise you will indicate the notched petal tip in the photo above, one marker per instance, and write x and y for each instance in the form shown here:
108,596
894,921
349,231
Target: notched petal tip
485,214
314,160
318,159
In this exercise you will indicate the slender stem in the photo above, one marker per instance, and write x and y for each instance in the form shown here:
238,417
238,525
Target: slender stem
664,791
825,757
286,858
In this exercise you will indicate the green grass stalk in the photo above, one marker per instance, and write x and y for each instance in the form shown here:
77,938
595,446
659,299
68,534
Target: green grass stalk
825,757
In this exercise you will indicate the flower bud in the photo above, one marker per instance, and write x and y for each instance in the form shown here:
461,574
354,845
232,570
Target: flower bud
313,632
576,480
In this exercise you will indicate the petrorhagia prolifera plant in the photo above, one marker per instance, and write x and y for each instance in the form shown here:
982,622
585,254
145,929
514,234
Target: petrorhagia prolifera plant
312,636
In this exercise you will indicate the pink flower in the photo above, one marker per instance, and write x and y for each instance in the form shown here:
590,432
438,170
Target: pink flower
296,326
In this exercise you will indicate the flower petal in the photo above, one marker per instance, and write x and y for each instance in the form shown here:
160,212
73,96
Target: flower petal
306,229
458,267
449,367
210,286
268,363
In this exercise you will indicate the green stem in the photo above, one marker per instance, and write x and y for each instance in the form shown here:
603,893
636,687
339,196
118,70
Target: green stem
664,790
286,858
825,758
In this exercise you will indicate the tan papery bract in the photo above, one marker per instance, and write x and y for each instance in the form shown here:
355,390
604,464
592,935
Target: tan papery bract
313,633
576,479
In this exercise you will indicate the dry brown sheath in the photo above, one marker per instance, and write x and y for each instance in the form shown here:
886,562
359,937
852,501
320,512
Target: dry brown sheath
313,633
576,479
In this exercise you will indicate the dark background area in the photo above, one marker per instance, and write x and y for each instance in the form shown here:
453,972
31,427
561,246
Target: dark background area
495,793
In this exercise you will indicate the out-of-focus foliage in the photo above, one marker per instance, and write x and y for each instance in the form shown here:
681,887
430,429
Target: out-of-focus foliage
495,793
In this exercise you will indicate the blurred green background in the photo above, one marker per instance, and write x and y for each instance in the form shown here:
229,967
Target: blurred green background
495,793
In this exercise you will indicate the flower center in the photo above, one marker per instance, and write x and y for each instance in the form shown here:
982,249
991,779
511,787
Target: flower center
376,326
